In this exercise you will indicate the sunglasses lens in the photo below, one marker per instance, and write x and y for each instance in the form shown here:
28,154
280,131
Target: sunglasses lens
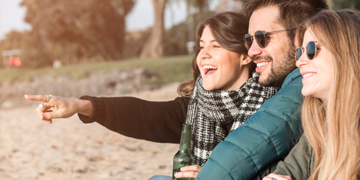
298,53
260,38
248,41
310,50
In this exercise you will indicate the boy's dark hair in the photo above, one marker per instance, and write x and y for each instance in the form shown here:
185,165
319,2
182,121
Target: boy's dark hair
292,12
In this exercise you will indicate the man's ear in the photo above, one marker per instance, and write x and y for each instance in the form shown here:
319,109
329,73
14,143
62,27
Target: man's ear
245,59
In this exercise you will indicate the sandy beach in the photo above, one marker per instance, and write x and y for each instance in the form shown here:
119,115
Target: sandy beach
31,149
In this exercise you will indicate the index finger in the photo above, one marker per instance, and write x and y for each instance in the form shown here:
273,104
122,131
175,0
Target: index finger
42,98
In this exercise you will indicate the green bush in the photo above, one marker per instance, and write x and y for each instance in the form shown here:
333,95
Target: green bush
168,69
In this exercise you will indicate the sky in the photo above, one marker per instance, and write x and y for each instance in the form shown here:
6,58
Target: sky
141,16
11,17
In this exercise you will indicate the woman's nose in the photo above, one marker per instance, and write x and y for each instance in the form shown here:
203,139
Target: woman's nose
303,60
204,54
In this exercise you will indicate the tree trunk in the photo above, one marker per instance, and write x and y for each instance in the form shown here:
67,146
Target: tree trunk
154,45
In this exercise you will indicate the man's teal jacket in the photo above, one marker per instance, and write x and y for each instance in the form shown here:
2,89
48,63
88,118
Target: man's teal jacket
268,135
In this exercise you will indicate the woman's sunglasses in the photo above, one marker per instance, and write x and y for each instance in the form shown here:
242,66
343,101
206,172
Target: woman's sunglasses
311,50
262,38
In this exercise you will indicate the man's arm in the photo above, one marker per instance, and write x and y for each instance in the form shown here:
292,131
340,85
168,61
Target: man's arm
266,136
299,163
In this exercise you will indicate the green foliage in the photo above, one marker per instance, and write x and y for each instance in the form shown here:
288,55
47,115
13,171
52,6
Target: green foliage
344,4
169,69
176,37
80,31
14,40
75,31
31,49
133,45
174,40
200,5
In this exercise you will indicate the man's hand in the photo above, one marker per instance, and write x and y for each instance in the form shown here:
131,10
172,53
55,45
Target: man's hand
188,171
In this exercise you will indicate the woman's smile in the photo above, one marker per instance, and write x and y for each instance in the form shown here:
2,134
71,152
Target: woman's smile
209,69
220,68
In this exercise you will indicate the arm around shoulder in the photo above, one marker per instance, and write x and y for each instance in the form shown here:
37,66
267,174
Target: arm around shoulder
299,162
266,136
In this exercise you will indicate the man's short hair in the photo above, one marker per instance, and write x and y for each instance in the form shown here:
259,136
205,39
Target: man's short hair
292,12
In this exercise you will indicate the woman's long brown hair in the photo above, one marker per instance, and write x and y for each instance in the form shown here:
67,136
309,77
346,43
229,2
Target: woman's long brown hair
229,29
332,127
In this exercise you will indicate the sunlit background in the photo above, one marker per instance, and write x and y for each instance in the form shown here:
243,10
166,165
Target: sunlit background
83,31
93,47
66,44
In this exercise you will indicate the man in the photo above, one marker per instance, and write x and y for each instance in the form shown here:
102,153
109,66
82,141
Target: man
268,135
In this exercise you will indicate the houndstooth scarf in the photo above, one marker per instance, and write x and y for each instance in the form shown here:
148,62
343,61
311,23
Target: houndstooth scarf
214,114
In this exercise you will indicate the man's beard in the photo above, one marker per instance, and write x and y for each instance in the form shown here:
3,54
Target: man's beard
285,65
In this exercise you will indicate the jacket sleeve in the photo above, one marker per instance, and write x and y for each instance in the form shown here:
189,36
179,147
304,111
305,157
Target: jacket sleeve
266,136
297,163
141,119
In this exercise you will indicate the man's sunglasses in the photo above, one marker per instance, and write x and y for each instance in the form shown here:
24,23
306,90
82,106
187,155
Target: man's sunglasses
262,38
311,50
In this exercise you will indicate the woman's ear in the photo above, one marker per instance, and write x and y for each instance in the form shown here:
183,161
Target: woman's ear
245,59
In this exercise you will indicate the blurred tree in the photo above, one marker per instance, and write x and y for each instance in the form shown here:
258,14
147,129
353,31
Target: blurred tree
134,44
199,5
173,41
12,40
175,38
194,11
229,5
179,35
342,4
30,49
154,45
77,30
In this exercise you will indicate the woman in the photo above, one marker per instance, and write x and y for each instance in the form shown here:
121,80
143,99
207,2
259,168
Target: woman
224,93
329,61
